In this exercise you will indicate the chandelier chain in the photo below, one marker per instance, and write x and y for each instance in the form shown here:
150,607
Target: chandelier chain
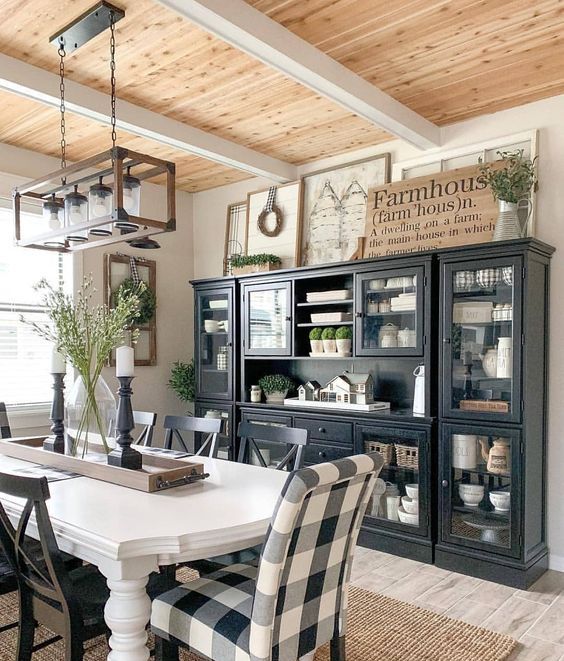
62,107
113,76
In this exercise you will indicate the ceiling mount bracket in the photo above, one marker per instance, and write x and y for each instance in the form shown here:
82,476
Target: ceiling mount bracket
87,26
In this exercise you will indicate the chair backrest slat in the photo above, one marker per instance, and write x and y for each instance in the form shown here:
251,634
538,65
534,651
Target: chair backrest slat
307,556
295,437
5,431
175,424
148,420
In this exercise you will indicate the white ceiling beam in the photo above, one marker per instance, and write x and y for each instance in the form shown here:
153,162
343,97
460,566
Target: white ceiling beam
254,33
40,85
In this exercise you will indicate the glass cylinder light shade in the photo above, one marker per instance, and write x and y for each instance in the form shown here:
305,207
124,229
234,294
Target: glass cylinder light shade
131,201
76,213
54,217
100,203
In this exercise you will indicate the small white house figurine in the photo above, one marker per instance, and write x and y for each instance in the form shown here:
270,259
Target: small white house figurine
349,388
309,392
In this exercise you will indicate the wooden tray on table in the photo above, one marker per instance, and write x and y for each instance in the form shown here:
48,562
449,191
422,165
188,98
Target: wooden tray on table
158,473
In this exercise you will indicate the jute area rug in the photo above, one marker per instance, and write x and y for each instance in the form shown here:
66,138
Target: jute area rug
380,629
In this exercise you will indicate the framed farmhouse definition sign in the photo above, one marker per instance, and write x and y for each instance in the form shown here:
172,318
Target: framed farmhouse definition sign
435,211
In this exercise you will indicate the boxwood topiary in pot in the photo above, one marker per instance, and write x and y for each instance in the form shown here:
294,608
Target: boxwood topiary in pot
343,338
275,387
315,340
328,337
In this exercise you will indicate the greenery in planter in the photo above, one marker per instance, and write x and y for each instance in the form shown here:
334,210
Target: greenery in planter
328,333
183,380
514,181
344,333
239,261
315,333
146,296
275,383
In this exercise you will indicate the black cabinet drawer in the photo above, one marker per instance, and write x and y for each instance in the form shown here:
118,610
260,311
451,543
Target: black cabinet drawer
327,430
267,419
316,454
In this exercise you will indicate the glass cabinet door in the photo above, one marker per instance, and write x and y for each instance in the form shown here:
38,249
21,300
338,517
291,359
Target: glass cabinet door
223,412
402,503
482,339
389,313
268,319
480,487
214,332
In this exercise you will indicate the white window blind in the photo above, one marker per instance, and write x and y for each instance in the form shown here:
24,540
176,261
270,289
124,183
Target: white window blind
24,356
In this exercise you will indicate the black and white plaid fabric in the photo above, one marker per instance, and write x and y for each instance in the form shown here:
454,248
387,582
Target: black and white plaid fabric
270,199
5,431
134,272
296,600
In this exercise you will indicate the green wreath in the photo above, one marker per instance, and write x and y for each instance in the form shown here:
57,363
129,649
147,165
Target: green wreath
147,300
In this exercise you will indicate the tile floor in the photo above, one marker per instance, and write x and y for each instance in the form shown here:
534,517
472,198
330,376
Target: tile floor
534,617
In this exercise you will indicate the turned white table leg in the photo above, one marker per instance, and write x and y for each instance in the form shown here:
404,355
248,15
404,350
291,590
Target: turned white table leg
128,609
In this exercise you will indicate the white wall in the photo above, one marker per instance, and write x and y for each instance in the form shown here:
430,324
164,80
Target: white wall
174,294
546,115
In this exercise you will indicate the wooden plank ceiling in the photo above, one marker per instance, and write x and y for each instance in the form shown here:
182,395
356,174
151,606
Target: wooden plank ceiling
446,59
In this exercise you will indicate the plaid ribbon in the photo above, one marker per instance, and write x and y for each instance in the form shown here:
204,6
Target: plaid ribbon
134,272
270,199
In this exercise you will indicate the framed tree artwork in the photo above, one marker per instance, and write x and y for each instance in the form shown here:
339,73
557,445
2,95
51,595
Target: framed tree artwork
124,271
334,209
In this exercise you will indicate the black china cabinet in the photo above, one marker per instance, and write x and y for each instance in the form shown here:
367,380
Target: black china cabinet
464,481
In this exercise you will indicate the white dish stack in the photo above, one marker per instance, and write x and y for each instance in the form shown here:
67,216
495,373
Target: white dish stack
404,302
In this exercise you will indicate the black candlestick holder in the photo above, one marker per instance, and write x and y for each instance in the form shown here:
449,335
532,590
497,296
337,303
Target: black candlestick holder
123,455
56,442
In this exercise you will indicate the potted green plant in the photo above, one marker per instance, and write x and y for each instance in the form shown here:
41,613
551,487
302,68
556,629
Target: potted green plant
328,337
343,338
315,340
242,264
183,381
511,184
86,335
275,387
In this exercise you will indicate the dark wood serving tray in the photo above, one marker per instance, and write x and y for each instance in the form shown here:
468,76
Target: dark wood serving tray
158,473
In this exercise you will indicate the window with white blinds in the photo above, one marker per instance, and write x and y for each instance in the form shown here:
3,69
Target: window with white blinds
25,358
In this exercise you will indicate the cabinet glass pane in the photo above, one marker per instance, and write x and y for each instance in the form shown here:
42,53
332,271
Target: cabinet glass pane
482,339
400,501
214,337
224,437
267,312
480,488
389,312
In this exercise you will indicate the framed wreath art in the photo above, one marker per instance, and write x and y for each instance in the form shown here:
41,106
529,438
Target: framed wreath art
122,274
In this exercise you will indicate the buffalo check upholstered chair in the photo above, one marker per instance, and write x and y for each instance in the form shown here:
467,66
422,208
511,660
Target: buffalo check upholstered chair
296,599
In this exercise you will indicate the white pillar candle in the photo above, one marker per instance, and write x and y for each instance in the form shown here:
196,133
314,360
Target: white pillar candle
58,364
125,361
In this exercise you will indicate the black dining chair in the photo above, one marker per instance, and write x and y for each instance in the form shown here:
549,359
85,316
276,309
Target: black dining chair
176,424
147,420
293,437
5,431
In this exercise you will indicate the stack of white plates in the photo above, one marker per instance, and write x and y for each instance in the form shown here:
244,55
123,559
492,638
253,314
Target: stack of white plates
403,302
334,295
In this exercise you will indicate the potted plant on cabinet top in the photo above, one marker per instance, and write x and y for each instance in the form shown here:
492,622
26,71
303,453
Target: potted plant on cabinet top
328,337
183,381
242,264
275,387
343,338
315,340
510,186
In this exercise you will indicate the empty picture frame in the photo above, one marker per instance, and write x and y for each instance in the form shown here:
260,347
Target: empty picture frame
286,242
334,209
235,233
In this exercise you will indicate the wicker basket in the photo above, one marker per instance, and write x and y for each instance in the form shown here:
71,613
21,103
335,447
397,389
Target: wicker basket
385,449
407,456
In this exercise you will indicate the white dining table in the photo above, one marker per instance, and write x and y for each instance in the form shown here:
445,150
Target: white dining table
128,534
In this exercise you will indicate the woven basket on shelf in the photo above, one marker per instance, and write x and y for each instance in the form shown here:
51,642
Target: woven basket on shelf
385,449
407,456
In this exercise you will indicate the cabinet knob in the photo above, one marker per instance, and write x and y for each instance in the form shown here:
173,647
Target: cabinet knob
358,315
445,483
288,318
446,340
322,454
322,430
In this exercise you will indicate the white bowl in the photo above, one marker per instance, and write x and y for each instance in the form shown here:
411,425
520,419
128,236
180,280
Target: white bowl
412,490
409,505
377,285
501,500
211,326
405,517
471,494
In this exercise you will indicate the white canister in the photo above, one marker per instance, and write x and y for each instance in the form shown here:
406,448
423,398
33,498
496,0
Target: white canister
464,454
256,394
406,338
388,336
505,358
392,506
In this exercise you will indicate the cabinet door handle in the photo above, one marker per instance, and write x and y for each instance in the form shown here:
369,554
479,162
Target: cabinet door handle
322,454
322,430
229,344
445,483
446,340
288,318
359,315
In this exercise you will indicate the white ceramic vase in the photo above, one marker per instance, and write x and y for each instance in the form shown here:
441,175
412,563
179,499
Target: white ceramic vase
316,346
329,346
344,347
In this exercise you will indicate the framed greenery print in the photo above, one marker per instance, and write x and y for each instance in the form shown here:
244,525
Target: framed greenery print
334,209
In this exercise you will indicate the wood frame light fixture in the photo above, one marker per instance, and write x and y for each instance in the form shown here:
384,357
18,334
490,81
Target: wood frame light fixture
113,216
